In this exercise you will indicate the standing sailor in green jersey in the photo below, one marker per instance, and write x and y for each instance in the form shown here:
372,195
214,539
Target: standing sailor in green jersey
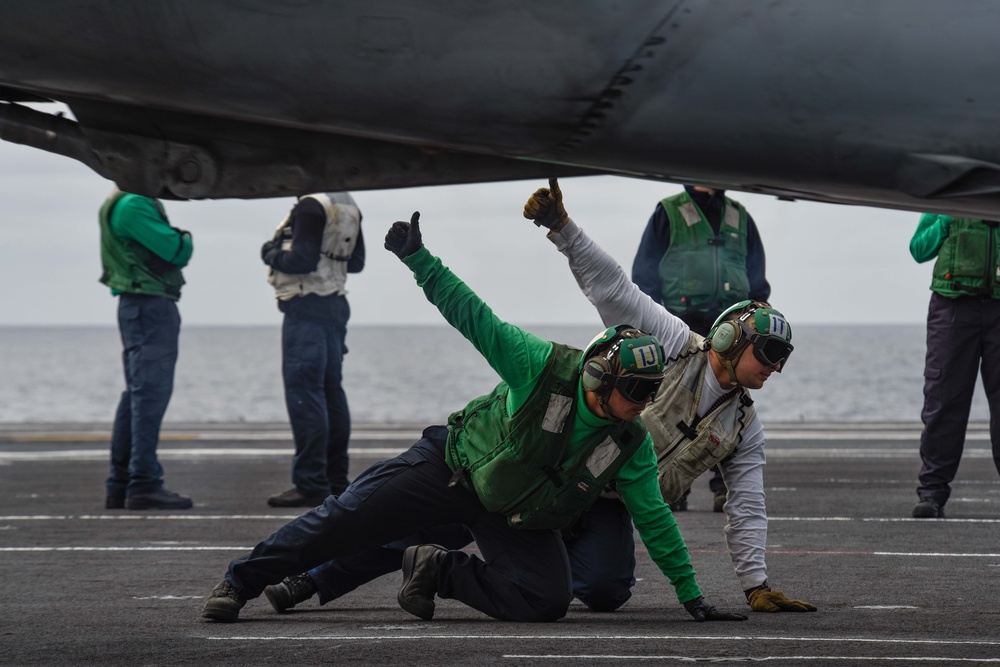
963,340
514,466
142,256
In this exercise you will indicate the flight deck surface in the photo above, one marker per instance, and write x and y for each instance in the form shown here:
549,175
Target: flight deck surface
85,585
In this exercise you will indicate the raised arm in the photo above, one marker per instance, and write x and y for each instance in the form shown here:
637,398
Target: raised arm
516,355
603,281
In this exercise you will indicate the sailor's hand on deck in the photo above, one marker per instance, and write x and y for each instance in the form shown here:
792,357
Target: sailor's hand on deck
545,207
703,611
403,238
764,599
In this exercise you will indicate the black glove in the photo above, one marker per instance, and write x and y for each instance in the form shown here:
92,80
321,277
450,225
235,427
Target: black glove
765,599
703,611
270,250
545,207
403,238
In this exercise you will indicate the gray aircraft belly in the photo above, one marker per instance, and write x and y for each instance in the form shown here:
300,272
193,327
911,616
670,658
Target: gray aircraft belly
888,103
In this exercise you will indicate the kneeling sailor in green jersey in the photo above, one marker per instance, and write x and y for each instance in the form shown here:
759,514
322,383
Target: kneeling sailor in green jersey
514,467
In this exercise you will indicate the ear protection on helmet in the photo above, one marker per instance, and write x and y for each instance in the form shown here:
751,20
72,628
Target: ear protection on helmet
597,376
750,322
725,316
727,339
726,336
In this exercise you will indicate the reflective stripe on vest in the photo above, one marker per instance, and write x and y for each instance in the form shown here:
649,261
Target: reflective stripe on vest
702,271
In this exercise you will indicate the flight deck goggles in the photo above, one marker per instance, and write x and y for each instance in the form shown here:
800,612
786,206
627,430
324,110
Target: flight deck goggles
768,350
638,388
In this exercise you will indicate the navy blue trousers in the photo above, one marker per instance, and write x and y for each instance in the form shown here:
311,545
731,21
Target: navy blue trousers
523,575
601,552
312,369
963,339
149,327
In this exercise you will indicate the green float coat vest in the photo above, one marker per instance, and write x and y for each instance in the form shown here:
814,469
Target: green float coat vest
702,271
687,446
127,263
519,466
968,261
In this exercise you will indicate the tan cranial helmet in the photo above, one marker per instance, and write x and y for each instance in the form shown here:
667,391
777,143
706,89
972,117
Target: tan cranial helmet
751,323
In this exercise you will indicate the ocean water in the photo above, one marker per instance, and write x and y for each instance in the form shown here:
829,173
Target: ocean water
401,374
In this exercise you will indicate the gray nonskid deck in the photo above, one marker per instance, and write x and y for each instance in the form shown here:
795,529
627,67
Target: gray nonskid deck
85,585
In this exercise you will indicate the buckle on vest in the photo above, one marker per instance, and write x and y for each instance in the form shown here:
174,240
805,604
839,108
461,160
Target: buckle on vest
688,432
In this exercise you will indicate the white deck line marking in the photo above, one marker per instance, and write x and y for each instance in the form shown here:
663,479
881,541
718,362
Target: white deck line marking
859,435
879,607
234,436
37,549
861,453
289,517
888,554
387,452
147,517
168,597
187,453
879,519
765,658
493,637
845,432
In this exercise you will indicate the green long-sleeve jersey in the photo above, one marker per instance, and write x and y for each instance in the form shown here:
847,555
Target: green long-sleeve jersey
140,252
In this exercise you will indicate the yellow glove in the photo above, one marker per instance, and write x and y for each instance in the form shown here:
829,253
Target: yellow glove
545,207
764,599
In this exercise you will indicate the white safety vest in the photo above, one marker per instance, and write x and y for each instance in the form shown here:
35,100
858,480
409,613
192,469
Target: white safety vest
343,227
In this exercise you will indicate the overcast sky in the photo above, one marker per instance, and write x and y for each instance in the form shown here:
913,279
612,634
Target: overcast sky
826,263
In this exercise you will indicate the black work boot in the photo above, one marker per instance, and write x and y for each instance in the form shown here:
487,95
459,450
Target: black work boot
928,508
421,567
293,498
681,504
290,592
161,499
719,500
223,603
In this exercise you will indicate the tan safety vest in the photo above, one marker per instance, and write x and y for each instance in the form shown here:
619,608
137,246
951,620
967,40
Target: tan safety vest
687,446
